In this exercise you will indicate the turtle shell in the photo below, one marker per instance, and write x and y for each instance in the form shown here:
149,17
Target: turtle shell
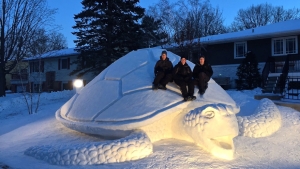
120,98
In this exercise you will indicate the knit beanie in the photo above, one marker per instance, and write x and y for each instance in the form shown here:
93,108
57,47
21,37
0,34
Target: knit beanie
183,57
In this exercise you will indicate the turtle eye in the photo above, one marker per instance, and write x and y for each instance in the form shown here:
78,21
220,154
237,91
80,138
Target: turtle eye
209,114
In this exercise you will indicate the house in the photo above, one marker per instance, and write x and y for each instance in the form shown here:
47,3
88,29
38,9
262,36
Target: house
17,79
272,44
276,40
51,71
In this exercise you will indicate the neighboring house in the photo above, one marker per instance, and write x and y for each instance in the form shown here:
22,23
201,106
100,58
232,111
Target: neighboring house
226,51
17,79
276,47
51,71
276,40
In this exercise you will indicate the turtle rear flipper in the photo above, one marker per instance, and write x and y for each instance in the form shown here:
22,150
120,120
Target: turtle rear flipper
135,146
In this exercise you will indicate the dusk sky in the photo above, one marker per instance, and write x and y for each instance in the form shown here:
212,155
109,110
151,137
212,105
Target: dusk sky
67,9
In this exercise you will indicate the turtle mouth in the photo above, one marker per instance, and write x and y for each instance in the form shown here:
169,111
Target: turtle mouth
225,142
223,147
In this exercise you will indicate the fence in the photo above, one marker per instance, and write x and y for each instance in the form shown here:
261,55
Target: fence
292,88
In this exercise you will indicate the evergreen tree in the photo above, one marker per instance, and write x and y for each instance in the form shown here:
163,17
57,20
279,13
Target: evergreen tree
152,32
248,73
107,29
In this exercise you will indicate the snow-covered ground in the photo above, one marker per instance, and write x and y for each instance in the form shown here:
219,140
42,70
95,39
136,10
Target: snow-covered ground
19,131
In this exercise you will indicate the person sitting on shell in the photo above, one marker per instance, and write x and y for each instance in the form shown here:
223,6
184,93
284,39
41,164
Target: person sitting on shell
163,72
202,72
182,75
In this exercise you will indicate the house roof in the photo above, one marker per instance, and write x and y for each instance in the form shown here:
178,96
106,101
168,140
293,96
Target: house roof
280,29
55,54
285,28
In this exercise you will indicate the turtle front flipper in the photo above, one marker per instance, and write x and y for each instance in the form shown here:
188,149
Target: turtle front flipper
135,146
263,122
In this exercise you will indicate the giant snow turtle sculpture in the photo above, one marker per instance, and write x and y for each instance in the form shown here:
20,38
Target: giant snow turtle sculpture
120,104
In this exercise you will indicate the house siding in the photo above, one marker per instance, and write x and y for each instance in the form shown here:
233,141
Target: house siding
221,57
62,79
230,71
262,48
13,80
223,53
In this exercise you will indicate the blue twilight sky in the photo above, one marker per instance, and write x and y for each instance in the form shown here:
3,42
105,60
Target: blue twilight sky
67,9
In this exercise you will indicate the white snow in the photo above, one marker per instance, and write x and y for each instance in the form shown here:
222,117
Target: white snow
19,131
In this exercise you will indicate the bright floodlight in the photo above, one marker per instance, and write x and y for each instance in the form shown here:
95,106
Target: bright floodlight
78,83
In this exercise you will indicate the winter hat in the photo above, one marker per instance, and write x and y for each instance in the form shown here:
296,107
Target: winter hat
183,57
202,56
164,52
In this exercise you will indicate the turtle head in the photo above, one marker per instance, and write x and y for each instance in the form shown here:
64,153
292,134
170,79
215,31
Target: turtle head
213,127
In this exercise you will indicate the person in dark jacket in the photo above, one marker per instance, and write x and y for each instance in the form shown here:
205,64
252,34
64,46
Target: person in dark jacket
163,72
182,75
202,72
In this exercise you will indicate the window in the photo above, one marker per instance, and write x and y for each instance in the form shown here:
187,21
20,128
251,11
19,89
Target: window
278,47
284,46
64,63
67,86
37,66
291,46
37,87
240,49
21,88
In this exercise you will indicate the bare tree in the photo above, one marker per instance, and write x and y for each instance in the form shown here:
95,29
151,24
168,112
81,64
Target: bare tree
261,15
279,14
20,21
43,42
188,20
164,12
185,38
205,19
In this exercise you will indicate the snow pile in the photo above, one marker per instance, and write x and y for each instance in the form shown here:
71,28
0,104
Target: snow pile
18,99
280,150
11,100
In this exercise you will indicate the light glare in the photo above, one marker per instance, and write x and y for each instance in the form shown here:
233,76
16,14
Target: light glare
78,83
